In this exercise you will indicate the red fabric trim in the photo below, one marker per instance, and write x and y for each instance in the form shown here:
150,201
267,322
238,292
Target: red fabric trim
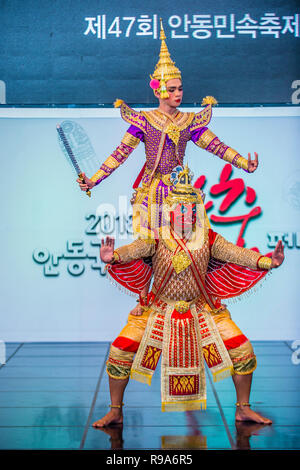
133,275
235,342
224,280
126,344
211,237
181,316
139,177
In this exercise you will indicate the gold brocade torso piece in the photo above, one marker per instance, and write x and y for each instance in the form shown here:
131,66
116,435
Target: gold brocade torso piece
175,123
177,136
182,285
177,128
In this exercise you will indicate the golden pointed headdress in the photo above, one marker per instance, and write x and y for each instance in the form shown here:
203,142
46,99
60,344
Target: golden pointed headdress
165,68
183,190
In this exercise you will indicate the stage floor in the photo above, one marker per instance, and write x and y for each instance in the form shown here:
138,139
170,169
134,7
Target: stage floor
51,393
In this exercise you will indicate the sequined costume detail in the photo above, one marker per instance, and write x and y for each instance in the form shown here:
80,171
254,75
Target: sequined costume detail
179,320
165,138
182,286
182,127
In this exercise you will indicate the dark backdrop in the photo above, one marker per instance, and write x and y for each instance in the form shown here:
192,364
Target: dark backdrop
46,57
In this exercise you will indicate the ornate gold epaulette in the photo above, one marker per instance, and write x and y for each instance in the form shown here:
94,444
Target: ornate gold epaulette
203,118
130,115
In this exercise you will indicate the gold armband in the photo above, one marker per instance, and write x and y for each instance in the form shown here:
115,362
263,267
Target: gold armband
98,175
242,163
116,257
229,155
233,157
205,139
264,262
130,140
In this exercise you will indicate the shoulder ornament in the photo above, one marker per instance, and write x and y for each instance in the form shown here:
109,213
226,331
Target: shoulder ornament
203,118
130,115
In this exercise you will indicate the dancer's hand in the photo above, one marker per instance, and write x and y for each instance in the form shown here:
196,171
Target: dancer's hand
277,255
107,250
86,183
252,164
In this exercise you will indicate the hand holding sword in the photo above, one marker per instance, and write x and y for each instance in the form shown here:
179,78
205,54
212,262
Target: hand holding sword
84,182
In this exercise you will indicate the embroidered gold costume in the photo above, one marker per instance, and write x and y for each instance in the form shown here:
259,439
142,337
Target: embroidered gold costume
165,138
182,322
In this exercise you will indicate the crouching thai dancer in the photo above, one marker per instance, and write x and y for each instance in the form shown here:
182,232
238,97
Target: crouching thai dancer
183,321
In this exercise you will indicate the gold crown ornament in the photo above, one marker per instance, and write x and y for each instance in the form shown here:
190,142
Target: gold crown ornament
183,193
165,68
183,190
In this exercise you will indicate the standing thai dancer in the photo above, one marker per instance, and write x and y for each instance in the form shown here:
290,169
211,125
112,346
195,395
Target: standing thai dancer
165,133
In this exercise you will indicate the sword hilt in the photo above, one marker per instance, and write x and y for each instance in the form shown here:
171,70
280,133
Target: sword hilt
88,192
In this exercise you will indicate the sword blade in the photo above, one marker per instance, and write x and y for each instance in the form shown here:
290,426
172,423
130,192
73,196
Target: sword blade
68,148
71,154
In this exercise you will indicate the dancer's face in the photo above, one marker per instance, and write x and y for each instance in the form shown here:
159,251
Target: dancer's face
183,218
175,91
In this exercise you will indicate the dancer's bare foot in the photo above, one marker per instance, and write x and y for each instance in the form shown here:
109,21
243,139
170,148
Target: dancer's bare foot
114,416
244,413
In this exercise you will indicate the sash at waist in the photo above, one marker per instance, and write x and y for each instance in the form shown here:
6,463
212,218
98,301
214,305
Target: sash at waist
183,306
165,178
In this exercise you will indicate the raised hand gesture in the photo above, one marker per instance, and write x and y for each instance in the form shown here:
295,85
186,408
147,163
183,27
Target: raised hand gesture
107,250
277,255
252,164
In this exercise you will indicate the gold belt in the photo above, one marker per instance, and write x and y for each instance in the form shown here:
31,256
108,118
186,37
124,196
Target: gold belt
181,306
165,178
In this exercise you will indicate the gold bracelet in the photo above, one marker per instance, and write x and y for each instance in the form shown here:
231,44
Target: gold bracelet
242,163
264,263
116,257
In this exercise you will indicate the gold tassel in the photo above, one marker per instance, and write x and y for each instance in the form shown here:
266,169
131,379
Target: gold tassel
185,405
209,100
164,94
163,90
118,103
223,374
140,377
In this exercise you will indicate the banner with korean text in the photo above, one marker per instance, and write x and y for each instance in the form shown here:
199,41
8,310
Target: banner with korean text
91,52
